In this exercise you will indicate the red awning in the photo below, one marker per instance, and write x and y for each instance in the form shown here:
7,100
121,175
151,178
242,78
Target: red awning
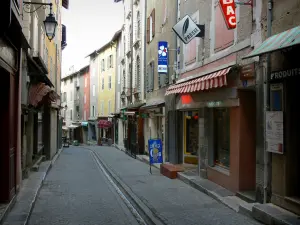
213,80
65,4
38,91
104,124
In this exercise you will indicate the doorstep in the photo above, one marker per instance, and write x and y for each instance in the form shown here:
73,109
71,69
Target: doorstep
218,192
272,214
266,213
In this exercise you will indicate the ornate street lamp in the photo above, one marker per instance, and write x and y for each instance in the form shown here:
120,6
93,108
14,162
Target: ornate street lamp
50,22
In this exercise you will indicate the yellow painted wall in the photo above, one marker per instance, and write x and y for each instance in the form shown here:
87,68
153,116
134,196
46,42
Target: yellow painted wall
105,95
54,69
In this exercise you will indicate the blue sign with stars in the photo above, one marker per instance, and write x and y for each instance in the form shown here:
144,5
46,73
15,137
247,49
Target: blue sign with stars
162,63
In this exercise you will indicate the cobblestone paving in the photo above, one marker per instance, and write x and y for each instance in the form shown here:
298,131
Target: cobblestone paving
174,201
76,192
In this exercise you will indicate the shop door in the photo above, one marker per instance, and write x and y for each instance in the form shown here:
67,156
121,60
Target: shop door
292,139
117,133
8,137
12,136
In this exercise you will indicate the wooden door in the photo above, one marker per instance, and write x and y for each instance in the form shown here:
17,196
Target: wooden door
12,135
8,137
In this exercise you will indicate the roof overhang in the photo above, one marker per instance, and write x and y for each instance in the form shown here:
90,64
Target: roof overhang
277,42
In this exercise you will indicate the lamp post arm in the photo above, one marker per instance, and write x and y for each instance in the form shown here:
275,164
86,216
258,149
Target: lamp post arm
40,4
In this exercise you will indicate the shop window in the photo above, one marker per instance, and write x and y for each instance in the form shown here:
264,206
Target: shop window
191,133
276,96
222,137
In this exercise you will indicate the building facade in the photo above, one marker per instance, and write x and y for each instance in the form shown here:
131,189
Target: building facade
161,17
280,75
132,79
214,101
85,86
32,98
118,124
94,92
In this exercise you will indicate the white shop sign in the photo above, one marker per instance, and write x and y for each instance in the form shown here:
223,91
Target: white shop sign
274,131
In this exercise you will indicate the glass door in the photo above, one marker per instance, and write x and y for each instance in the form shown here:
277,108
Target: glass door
191,137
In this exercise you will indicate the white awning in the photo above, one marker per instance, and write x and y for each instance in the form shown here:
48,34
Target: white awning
73,126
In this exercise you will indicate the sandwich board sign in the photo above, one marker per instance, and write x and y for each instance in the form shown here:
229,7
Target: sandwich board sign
186,29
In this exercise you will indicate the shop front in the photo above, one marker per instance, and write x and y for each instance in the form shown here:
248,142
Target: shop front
84,127
133,129
282,117
154,122
217,128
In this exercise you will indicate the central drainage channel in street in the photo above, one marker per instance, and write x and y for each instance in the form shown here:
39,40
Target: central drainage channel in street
135,213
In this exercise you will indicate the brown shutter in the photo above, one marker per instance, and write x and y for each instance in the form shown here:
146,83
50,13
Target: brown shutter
148,29
153,22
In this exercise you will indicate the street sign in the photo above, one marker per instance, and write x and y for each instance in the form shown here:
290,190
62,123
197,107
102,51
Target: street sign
155,151
228,10
186,29
162,61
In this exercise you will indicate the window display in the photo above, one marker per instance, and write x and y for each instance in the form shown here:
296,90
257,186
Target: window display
192,133
222,137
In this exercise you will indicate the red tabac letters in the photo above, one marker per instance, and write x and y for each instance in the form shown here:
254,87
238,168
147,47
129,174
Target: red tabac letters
228,9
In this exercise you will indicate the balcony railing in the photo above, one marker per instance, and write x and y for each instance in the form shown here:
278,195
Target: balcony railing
76,102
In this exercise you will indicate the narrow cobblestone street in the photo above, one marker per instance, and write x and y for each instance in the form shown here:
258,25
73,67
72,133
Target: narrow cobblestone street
76,191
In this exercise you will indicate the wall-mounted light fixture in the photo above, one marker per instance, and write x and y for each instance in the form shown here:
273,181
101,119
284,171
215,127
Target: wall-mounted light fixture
50,22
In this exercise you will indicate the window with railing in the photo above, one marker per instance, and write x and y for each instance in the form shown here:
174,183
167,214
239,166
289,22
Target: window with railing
109,82
138,30
138,73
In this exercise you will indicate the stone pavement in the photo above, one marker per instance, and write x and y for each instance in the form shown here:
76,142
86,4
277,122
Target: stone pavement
266,213
172,201
76,192
21,208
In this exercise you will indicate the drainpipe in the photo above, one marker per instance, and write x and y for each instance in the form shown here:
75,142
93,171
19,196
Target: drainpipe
145,44
131,57
267,155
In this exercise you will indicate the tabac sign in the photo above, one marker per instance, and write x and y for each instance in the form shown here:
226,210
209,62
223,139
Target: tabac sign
229,13
186,29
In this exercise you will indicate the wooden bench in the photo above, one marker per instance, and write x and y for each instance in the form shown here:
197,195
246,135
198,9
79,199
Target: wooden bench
170,170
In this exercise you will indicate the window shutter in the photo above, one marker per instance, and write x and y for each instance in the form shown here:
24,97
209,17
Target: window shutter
148,77
151,76
153,22
223,37
148,29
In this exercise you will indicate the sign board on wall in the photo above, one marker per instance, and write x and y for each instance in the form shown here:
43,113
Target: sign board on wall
278,75
155,151
162,64
274,131
186,29
229,13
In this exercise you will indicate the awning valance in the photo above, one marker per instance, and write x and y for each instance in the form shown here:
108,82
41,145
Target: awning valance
104,124
154,104
277,42
213,80
72,126
84,124
136,105
37,92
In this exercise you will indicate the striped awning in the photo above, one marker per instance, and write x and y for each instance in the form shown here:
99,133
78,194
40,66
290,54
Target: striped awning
213,80
277,42
38,91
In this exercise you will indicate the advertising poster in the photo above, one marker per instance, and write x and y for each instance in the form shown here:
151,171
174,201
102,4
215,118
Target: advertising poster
274,131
